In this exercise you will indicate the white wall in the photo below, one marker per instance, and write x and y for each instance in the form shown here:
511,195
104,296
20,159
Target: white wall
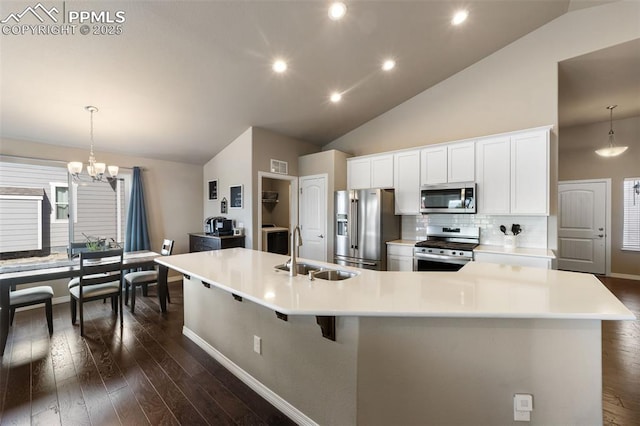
232,166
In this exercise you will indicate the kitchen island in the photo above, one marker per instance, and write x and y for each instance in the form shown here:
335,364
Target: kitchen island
410,347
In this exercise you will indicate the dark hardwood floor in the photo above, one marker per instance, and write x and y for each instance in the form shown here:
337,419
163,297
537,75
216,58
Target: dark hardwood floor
151,373
147,374
621,358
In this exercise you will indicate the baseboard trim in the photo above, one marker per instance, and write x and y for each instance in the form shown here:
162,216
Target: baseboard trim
289,410
625,276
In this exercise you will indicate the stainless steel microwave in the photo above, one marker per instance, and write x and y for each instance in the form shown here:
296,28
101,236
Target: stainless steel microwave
448,198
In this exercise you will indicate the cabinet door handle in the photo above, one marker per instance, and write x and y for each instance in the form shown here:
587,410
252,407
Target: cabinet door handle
320,236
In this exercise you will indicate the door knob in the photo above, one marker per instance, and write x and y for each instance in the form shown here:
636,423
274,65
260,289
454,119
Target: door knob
320,236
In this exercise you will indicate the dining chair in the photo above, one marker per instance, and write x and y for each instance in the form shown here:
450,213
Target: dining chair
32,296
100,278
145,278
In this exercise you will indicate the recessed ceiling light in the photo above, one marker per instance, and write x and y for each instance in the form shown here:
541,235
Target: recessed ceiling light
336,97
388,65
460,17
337,10
279,66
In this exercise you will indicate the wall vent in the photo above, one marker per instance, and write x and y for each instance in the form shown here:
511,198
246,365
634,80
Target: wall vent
280,167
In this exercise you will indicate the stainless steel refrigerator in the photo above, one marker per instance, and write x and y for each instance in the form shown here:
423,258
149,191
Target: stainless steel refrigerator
365,221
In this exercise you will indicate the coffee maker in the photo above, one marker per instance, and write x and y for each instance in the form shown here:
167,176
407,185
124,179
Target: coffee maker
218,225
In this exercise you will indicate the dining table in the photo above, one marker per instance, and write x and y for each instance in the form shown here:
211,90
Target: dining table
16,275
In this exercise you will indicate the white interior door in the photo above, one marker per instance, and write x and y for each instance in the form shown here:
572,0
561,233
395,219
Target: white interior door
582,227
313,217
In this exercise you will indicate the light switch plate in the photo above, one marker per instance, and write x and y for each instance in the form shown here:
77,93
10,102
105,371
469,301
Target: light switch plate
522,407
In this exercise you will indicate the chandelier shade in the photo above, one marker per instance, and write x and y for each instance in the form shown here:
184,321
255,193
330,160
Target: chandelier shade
94,169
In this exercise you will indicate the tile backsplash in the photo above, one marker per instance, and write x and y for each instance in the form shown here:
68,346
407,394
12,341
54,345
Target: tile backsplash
534,228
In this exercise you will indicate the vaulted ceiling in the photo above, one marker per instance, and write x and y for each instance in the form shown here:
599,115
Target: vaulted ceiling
184,78
589,83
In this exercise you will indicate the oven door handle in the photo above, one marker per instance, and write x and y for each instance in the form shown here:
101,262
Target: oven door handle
455,259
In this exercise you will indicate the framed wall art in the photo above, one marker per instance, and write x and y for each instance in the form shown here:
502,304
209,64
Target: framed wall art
213,189
235,195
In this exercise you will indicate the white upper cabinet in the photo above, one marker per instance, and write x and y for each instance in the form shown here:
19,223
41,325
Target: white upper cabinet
433,165
530,173
493,171
513,173
406,182
382,171
454,162
370,172
359,173
461,160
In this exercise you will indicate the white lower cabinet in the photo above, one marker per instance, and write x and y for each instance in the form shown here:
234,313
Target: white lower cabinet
514,260
399,257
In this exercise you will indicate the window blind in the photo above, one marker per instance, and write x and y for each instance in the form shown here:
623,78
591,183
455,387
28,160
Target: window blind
631,227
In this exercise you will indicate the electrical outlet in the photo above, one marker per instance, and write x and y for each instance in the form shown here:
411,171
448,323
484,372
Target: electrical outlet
257,344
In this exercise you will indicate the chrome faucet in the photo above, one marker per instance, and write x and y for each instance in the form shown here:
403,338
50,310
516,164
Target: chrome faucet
293,266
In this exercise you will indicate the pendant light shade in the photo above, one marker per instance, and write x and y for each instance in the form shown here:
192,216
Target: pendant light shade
611,150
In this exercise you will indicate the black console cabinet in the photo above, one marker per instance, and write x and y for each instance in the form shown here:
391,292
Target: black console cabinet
204,242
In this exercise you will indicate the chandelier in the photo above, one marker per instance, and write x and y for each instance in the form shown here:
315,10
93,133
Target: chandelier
611,150
94,169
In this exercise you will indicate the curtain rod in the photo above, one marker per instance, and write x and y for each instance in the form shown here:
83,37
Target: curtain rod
18,157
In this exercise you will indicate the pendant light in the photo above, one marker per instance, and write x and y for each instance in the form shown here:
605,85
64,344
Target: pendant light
94,169
611,150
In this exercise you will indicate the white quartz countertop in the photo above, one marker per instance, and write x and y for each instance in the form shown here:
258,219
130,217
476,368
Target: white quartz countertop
515,251
479,290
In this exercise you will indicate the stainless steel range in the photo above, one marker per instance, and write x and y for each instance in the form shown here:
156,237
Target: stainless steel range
446,248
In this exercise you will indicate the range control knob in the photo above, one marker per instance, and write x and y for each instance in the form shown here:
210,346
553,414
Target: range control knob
453,253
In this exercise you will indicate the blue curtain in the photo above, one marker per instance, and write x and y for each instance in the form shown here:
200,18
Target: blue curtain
137,235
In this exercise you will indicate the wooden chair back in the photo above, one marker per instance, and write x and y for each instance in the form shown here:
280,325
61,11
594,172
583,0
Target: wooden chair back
99,267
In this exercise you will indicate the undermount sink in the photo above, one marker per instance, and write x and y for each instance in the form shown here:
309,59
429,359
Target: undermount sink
318,272
301,268
333,275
